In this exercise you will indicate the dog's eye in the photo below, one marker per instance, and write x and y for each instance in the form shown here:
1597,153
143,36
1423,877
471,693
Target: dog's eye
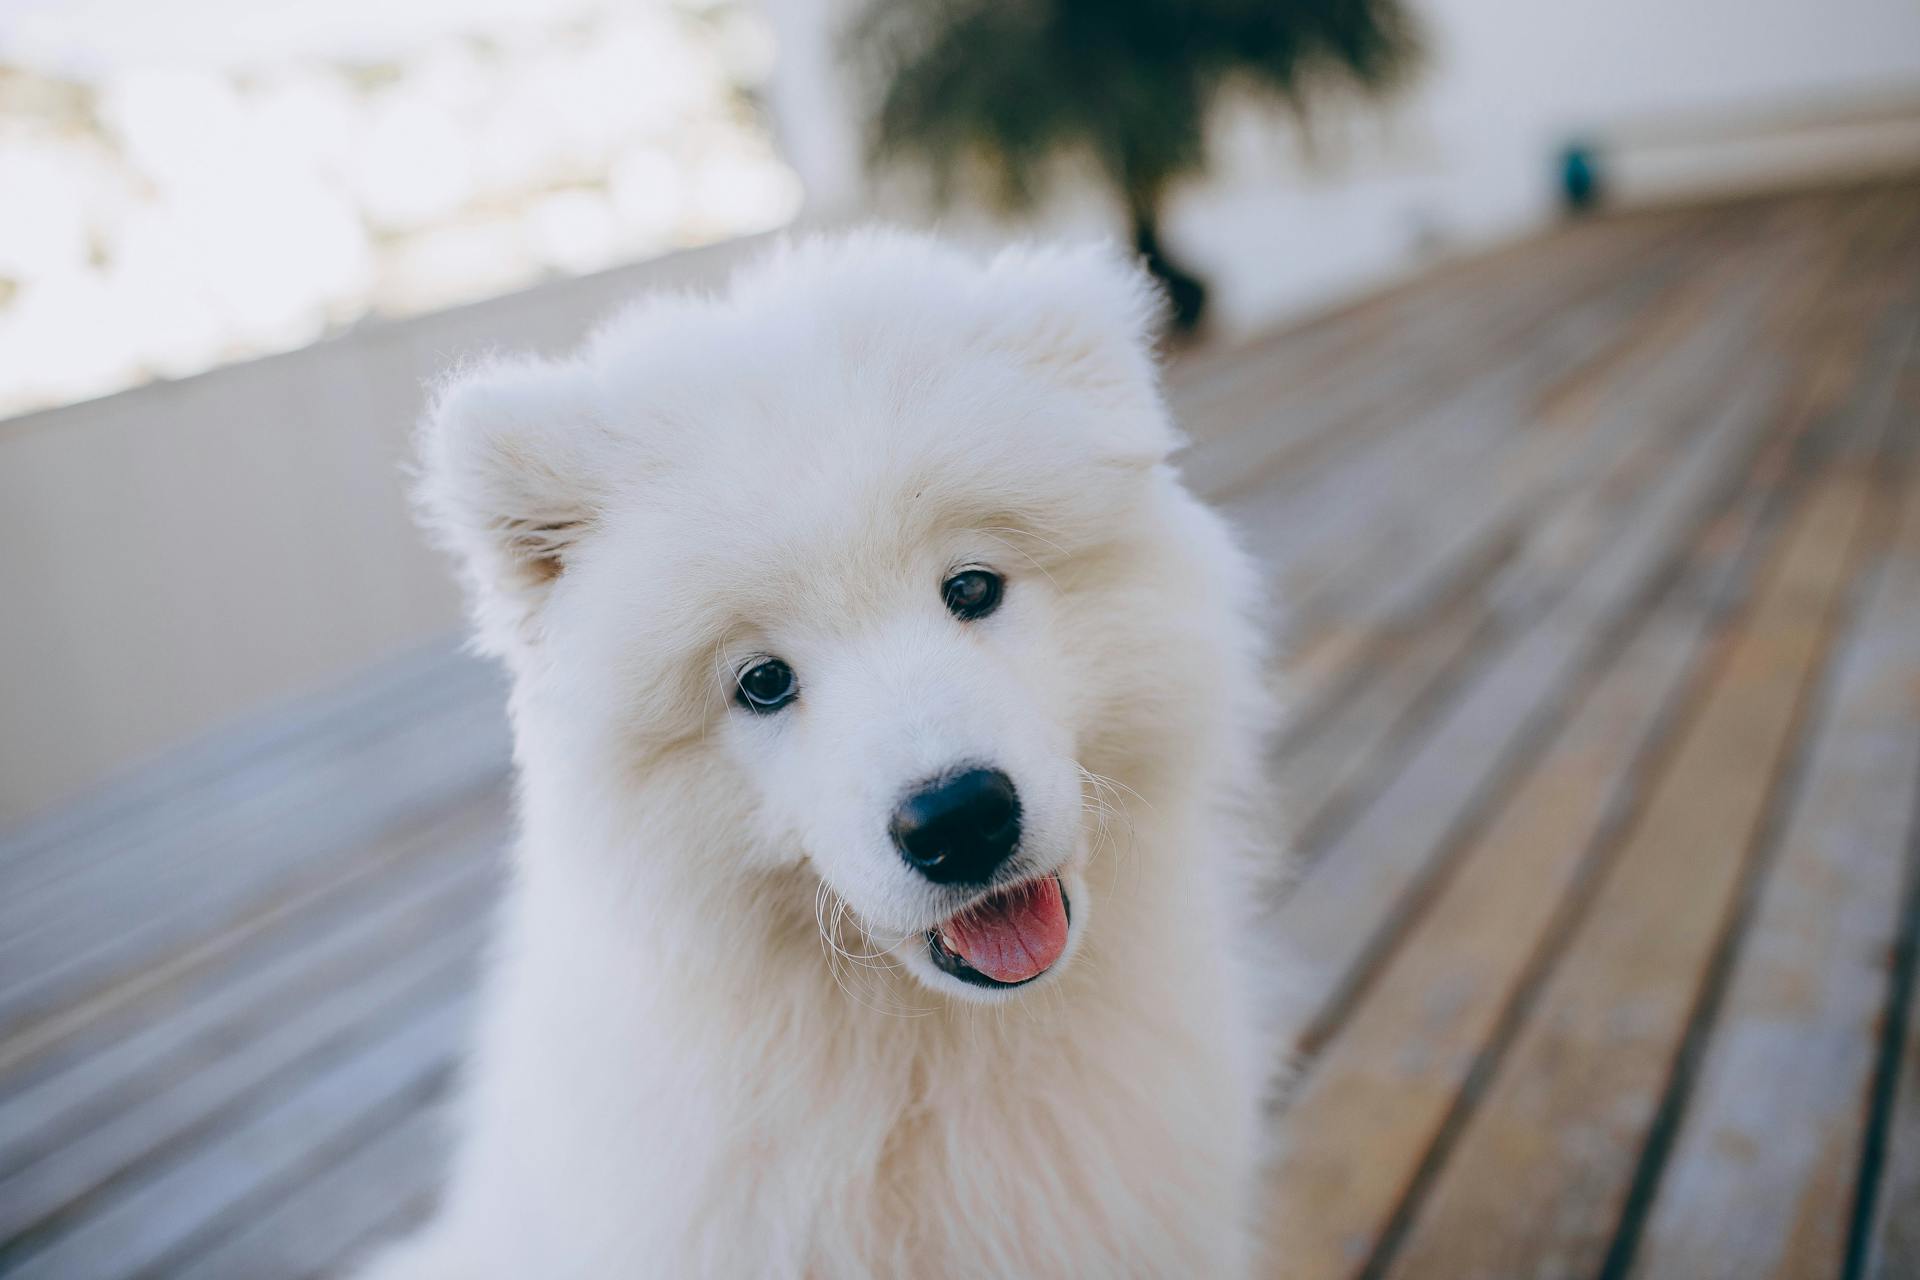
767,686
973,594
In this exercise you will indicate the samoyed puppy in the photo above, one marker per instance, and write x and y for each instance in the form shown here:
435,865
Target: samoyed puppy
888,719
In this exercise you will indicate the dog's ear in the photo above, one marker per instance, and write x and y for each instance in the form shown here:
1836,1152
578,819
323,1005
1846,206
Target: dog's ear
513,466
1090,318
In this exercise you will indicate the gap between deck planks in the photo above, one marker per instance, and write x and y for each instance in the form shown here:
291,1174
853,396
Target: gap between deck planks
1548,1156
1516,564
1544,1164
1884,1243
1437,778
1363,1124
1439,596
1764,1169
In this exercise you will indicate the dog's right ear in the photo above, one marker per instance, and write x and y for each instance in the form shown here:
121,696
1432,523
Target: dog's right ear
513,468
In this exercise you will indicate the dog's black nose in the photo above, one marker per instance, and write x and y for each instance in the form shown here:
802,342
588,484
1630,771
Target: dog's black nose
960,827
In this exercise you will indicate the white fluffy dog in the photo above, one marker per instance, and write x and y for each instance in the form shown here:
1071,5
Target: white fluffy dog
888,719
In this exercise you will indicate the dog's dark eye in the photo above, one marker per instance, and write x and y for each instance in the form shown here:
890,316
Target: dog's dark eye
973,594
767,686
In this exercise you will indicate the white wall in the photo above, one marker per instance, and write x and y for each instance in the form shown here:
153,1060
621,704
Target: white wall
1467,156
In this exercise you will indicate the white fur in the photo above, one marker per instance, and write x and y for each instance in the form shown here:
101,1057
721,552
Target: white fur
676,1074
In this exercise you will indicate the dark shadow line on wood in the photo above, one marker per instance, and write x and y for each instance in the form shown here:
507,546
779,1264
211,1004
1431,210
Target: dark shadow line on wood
1610,836
441,985
402,836
1549,717
422,1092
1883,1093
1815,703
1728,596
1883,1090
1468,576
434,915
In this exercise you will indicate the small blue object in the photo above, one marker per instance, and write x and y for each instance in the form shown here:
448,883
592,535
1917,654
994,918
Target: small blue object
1579,177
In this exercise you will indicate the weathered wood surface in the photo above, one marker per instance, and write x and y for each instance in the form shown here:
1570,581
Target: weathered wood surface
1603,554
1764,1164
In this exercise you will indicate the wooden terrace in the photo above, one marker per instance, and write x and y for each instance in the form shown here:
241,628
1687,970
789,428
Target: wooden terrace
1603,555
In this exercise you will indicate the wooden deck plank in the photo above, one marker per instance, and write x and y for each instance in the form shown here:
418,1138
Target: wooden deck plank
1886,1239
1374,1103
375,1193
58,1188
1307,531
1543,1167
1278,423
220,796
135,1230
1888,1242
1567,455
201,1032
1396,844
159,974
1761,1179
1325,766
1418,326
1563,496
242,766
215,865
1373,1106
144,968
303,934
1407,556
1383,856
1431,515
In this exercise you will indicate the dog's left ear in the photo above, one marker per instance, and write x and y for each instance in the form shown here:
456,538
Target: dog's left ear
1089,317
514,465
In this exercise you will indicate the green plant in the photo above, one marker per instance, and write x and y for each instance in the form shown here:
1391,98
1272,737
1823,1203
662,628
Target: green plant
1009,85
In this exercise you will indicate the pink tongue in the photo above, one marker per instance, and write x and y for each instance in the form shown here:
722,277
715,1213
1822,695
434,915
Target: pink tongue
1013,935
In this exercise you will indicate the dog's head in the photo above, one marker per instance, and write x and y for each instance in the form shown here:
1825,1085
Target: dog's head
854,567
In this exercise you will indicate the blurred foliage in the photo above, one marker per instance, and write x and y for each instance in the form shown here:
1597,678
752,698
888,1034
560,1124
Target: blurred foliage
1007,86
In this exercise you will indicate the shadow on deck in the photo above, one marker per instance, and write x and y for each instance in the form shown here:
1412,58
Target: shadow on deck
1603,556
